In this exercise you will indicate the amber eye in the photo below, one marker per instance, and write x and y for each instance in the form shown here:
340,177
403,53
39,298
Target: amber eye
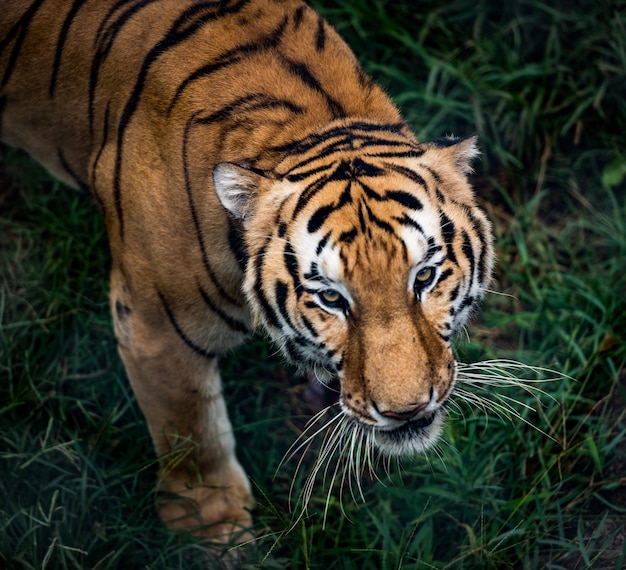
423,278
332,298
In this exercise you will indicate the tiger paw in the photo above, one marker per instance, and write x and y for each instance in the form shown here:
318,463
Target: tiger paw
209,510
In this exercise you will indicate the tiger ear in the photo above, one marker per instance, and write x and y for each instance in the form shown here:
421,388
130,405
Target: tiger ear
237,187
461,150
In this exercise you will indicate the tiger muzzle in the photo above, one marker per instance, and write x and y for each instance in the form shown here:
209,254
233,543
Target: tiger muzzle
397,387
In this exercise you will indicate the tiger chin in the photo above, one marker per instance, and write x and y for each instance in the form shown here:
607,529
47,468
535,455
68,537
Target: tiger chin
251,176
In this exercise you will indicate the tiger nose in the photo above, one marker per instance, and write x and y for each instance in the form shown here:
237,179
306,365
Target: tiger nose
404,414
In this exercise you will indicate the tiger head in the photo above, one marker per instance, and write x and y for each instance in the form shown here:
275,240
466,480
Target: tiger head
367,253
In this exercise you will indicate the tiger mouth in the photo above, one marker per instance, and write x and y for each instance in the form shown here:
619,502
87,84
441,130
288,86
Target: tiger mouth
415,436
408,431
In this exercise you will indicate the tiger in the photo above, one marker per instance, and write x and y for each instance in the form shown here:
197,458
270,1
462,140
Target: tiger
252,178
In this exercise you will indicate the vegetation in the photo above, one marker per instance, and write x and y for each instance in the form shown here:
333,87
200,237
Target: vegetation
539,486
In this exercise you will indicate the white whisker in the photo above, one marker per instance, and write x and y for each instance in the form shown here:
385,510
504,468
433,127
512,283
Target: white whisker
500,294
337,444
295,447
483,377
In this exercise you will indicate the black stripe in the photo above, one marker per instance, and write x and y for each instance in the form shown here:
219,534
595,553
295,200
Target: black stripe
186,25
398,154
348,236
237,243
320,35
345,197
362,222
362,168
481,231
342,172
82,185
454,294
234,324
322,244
307,173
170,315
298,15
249,103
333,144
303,342
409,222
433,248
448,233
200,73
268,311
385,143
314,273
65,28
350,130
104,42
20,29
382,224
482,269
468,251
330,147
345,261
281,292
407,173
444,275
105,29
302,71
92,175
308,193
319,217
291,263
232,57
196,222
307,324
404,198
445,142
467,302
290,350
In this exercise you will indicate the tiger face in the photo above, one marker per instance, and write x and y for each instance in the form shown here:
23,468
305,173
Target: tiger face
357,271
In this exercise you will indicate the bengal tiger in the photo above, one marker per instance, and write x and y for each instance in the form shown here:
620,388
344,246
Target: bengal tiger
251,176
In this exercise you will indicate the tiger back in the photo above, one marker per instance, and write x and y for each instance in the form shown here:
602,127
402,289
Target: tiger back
250,175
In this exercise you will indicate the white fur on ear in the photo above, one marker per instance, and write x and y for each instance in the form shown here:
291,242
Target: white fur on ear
236,187
462,150
465,151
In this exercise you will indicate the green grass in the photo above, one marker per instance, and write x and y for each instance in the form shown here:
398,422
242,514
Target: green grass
543,86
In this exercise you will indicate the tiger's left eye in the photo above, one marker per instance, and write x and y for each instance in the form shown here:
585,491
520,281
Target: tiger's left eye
423,278
332,298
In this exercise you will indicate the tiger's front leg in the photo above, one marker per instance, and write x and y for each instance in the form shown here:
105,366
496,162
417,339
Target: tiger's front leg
206,491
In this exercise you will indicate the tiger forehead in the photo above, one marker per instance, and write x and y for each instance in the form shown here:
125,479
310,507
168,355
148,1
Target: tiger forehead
346,141
330,186
341,164
363,241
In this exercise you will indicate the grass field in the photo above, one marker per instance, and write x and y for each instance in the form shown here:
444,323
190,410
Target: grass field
544,86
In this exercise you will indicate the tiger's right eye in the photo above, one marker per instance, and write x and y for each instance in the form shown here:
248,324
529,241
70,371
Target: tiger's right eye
423,279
